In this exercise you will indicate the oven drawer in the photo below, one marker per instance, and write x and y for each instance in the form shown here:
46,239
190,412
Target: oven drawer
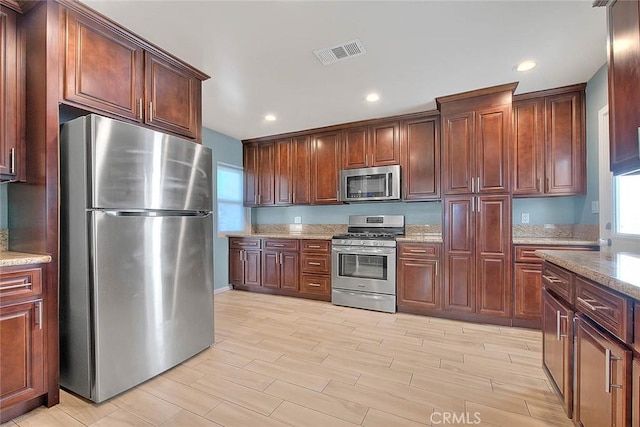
369,301
316,263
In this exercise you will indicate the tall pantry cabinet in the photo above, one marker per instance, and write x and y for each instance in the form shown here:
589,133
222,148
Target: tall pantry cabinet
477,204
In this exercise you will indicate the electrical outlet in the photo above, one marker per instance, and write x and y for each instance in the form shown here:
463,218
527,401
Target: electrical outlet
525,218
297,220
595,207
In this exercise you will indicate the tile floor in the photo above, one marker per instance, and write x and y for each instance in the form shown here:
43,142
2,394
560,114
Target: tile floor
282,361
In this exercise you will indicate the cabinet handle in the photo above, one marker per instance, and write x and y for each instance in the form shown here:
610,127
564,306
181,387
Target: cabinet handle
478,198
608,358
546,186
473,204
39,319
436,268
293,198
277,245
313,263
473,182
150,111
558,326
420,251
313,246
21,285
280,257
552,279
538,185
588,303
315,285
478,184
366,160
12,168
140,107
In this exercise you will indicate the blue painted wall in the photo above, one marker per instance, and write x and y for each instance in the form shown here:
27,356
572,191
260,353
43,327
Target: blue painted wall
226,150
3,206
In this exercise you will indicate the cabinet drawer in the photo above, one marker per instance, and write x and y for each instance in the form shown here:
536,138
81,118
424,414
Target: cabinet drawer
527,253
21,283
244,243
559,281
313,284
281,244
419,250
316,263
316,246
608,309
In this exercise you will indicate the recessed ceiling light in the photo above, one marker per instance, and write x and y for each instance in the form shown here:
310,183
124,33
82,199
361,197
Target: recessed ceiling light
373,97
526,66
270,117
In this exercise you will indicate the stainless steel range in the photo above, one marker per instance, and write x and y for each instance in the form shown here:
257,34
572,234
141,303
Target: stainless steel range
363,263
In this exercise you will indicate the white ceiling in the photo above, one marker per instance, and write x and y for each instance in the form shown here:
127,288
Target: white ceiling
260,57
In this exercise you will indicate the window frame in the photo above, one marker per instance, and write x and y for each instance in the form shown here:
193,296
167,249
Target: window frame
246,211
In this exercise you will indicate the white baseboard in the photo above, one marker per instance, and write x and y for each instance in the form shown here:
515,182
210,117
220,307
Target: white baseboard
221,290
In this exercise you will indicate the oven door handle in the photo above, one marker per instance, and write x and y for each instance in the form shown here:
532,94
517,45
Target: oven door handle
363,250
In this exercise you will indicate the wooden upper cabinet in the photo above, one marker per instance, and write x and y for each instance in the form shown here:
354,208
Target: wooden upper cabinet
266,173
12,144
371,146
325,167
251,174
283,172
112,72
549,142
103,69
420,158
624,85
301,170
476,129
173,98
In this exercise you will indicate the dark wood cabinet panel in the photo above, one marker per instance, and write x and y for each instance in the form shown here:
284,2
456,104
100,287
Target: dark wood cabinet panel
115,85
459,254
557,348
283,174
266,174
12,126
457,153
635,393
236,266
492,149
251,174
289,270
420,158
325,168
252,268
418,284
355,147
528,291
384,147
245,264
603,378
22,349
624,85
173,98
271,269
301,170
528,147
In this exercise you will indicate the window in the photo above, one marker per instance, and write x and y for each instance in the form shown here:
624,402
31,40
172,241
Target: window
627,204
231,212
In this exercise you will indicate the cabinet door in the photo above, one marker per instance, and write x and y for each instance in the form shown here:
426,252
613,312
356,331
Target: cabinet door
289,270
493,254
11,95
301,171
103,70
528,147
492,129
266,173
173,98
271,269
528,291
624,85
384,147
420,150
236,266
459,254
251,174
325,168
283,172
457,153
418,283
557,348
252,268
21,346
603,378
355,145
565,145
635,390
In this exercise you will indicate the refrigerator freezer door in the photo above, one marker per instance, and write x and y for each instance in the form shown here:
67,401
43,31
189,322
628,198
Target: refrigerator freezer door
152,295
138,168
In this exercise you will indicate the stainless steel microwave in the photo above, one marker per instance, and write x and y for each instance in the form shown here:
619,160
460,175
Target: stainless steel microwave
368,184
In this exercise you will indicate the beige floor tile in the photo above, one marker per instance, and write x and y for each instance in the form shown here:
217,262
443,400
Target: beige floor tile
180,395
220,355
361,356
187,419
146,406
379,400
288,374
83,410
231,415
49,417
297,415
410,354
251,399
376,418
287,349
236,375
121,418
249,351
431,378
343,375
509,419
346,410
183,374
376,370
493,373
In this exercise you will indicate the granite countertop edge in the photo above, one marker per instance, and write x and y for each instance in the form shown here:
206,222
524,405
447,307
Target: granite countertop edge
426,237
565,241
560,258
10,258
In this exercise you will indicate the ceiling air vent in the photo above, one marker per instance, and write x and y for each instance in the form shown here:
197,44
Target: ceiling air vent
337,53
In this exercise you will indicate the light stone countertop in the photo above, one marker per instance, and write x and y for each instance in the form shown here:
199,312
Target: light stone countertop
564,241
619,271
420,238
9,258
306,236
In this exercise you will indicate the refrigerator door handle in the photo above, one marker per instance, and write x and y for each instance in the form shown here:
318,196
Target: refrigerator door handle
150,213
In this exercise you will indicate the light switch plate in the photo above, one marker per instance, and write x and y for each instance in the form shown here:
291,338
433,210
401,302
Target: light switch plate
595,206
525,218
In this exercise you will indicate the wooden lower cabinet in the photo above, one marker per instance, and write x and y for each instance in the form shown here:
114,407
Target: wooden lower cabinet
603,378
557,348
315,269
418,277
527,291
244,261
280,270
635,393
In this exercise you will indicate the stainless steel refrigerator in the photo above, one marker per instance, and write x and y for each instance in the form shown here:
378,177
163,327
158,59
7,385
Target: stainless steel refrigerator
136,254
